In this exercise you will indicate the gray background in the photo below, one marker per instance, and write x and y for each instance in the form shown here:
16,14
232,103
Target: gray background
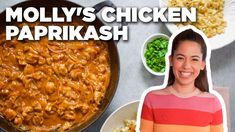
134,79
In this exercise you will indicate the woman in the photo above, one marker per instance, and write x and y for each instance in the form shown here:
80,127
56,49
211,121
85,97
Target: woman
185,105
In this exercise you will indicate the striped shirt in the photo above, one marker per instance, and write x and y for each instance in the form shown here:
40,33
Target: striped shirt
170,113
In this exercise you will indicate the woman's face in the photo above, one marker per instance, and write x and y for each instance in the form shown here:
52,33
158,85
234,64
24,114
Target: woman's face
187,62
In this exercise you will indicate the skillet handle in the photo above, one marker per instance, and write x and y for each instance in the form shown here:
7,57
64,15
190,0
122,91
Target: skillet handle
108,3
103,4
5,126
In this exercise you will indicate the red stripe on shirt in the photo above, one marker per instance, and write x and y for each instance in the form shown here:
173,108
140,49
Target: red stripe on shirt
147,113
217,118
182,117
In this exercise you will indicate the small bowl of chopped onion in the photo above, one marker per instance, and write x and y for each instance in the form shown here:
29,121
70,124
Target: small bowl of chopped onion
153,53
123,119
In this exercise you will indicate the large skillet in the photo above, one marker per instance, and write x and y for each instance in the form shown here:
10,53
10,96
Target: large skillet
113,53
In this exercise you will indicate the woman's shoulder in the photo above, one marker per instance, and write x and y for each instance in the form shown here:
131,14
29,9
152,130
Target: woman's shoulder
158,92
214,99
155,94
208,95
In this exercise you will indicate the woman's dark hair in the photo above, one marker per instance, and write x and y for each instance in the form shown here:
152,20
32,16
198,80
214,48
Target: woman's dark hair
201,81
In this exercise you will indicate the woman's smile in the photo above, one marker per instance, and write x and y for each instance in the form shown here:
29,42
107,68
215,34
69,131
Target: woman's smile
187,62
185,74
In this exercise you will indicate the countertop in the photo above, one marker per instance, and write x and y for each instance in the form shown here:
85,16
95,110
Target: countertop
134,78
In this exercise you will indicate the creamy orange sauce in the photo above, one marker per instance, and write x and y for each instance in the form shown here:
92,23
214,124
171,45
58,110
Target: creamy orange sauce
47,85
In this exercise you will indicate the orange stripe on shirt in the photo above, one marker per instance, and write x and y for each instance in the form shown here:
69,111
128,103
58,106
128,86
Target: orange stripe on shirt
179,128
216,128
148,126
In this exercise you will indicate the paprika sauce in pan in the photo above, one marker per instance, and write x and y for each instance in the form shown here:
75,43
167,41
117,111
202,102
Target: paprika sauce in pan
52,85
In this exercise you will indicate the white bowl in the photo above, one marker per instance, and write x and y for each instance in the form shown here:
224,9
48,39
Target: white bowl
143,49
116,119
220,40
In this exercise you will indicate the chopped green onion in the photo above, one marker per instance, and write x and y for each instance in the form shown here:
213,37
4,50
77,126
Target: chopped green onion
155,54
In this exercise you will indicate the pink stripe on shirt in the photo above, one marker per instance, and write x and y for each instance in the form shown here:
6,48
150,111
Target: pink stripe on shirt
191,103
